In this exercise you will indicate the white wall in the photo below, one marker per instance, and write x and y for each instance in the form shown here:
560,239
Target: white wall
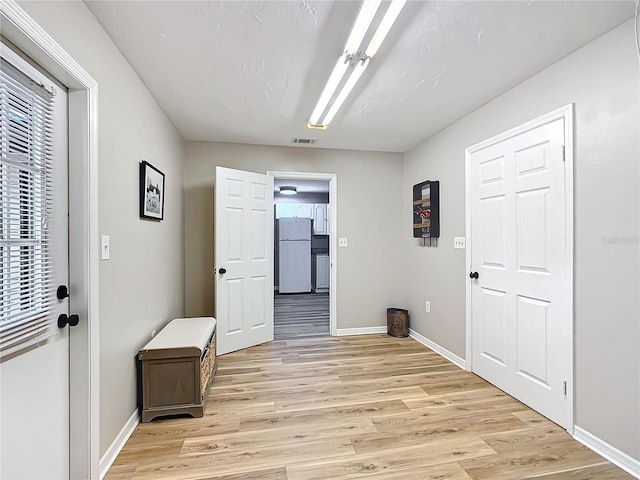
602,80
369,197
141,287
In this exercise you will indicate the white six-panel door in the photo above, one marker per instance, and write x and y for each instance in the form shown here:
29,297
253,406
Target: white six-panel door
243,259
520,301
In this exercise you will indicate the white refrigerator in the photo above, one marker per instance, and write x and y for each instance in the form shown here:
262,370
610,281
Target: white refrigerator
294,255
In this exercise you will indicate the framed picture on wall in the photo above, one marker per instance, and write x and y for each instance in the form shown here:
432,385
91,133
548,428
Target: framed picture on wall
151,192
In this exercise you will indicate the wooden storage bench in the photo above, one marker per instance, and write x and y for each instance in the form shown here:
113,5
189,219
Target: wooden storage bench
178,366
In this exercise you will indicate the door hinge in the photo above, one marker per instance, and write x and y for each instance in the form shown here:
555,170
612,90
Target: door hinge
563,153
564,386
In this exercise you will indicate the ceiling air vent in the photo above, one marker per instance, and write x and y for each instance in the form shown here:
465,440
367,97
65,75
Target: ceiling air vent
304,141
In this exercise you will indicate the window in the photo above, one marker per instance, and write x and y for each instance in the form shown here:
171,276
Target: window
26,290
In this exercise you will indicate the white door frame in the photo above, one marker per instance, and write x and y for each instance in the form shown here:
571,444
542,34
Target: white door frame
84,370
332,178
565,113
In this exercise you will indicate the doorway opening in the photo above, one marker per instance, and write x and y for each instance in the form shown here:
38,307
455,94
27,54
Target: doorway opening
304,252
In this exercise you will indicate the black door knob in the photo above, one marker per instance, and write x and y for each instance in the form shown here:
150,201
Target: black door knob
71,320
222,271
62,292
474,275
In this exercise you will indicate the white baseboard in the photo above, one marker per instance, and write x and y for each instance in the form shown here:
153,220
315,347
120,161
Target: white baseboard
114,449
615,456
341,332
453,358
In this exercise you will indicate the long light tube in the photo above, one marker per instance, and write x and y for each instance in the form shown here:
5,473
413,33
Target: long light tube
329,89
361,25
358,32
387,22
342,96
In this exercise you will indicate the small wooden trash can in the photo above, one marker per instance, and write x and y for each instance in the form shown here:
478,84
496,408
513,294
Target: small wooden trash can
397,322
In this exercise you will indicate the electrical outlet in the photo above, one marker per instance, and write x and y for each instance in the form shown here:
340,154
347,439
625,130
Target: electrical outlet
343,242
459,242
153,333
427,307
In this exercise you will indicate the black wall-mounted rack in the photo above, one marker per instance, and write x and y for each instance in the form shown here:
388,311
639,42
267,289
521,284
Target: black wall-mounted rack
426,212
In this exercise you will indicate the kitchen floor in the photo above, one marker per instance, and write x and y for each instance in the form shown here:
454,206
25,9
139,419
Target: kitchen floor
301,315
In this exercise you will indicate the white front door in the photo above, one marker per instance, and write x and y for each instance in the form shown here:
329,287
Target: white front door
520,300
243,258
34,391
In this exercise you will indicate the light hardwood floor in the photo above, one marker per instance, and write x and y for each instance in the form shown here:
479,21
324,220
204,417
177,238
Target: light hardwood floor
370,406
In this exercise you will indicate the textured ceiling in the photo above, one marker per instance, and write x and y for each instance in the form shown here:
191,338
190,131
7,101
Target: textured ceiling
251,72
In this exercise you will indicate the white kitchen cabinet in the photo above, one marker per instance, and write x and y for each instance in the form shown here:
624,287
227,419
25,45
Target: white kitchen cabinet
304,210
320,268
320,219
284,210
294,210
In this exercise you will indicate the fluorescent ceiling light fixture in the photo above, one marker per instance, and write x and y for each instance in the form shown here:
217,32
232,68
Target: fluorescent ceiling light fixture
329,89
354,60
288,190
342,96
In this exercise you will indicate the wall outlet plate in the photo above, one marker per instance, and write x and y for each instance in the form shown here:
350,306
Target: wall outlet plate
105,250
343,242
459,242
427,307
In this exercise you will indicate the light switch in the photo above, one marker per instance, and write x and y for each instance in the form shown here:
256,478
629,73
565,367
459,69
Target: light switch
104,247
343,242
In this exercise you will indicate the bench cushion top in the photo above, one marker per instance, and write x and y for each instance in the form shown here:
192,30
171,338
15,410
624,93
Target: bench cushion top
183,333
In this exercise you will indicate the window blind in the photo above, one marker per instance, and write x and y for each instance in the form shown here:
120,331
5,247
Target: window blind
26,280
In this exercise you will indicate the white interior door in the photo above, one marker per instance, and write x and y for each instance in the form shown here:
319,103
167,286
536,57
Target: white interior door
520,300
34,392
243,259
